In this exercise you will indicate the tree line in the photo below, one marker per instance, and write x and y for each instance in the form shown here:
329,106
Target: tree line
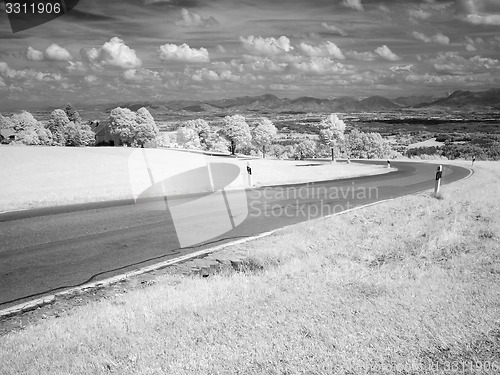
234,135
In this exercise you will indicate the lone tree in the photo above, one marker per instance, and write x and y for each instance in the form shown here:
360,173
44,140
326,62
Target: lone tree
236,131
134,129
263,134
331,132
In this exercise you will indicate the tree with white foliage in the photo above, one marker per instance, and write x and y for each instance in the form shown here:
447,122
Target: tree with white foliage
362,145
263,134
203,130
134,129
145,129
188,138
57,126
236,131
23,120
305,149
331,134
122,122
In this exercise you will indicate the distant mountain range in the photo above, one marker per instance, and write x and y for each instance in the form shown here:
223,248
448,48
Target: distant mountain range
270,103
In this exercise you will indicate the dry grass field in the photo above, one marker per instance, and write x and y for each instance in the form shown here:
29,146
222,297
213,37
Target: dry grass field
409,286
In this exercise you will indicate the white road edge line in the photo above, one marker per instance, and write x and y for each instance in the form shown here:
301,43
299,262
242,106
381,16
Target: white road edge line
30,305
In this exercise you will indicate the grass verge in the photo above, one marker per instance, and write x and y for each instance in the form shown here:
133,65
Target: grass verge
409,286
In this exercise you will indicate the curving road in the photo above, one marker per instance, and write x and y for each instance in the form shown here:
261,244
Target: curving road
46,250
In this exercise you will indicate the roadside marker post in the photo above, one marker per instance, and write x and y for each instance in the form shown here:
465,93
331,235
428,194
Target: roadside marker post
388,163
439,175
333,158
473,160
249,171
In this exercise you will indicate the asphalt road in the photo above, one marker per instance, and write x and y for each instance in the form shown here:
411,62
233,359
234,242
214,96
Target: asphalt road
47,250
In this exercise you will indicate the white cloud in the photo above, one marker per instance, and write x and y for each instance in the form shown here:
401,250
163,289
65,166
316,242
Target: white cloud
34,54
452,62
354,4
334,29
325,49
266,46
192,19
113,53
386,53
477,19
319,65
27,74
363,56
76,66
438,38
92,79
183,53
402,68
140,75
57,53
259,63
205,75
479,12
418,14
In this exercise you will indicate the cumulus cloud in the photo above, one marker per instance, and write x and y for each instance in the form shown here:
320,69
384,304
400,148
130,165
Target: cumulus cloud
479,12
418,14
266,46
325,49
92,79
438,38
319,65
192,19
205,75
259,63
34,54
334,29
57,53
140,75
453,63
76,66
8,73
386,53
353,4
113,53
173,52
362,56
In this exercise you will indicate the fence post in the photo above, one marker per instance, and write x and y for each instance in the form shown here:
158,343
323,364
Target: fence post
439,174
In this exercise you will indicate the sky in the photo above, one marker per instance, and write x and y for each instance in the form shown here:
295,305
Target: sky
159,50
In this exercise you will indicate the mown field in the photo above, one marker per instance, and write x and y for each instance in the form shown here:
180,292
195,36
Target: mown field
408,286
